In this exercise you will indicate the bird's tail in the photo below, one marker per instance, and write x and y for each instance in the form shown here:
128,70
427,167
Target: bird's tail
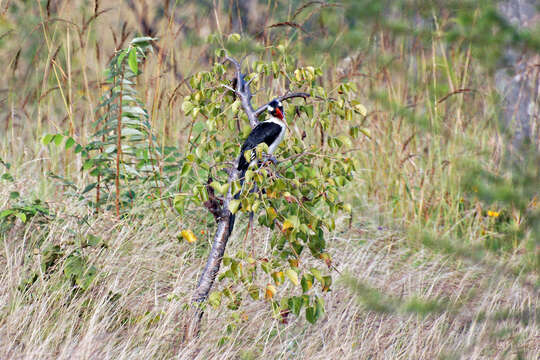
236,197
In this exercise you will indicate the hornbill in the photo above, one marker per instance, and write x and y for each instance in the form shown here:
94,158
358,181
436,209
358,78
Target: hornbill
271,132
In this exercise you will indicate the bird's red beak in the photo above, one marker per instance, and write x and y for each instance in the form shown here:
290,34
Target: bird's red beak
279,113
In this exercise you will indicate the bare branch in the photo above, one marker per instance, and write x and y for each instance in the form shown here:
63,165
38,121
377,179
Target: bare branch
243,92
228,88
262,108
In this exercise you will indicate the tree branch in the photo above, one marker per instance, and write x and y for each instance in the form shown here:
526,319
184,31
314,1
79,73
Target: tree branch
243,92
262,108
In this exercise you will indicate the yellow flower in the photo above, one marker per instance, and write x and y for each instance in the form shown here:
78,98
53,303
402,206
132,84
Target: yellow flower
493,214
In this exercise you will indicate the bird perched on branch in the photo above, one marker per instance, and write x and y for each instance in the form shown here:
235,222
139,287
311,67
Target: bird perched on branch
270,132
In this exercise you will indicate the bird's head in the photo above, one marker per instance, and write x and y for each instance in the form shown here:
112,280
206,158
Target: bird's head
275,108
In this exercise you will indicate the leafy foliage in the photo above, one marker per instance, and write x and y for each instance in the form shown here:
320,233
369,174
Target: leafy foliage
122,147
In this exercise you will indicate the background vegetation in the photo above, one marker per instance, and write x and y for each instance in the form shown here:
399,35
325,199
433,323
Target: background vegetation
437,258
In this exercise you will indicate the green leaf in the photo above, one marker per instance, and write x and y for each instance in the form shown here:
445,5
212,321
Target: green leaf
179,201
278,277
345,139
20,215
93,240
271,214
86,279
326,283
311,314
131,132
236,187
291,222
135,111
317,273
234,205
220,188
47,139
254,292
74,266
248,175
7,176
132,60
121,57
295,304
143,40
198,127
69,143
359,108
185,169
89,187
219,53
57,139
214,299
308,109
265,266
306,282
319,307
187,106
88,164
6,213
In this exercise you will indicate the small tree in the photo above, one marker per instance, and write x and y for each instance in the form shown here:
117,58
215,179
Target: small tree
299,197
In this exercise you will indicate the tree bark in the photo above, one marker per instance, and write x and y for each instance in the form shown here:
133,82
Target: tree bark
517,80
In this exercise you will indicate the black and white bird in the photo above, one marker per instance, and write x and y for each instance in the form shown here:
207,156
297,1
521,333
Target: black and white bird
271,132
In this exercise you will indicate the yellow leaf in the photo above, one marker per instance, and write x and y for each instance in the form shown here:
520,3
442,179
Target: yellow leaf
294,262
234,37
255,206
361,109
270,291
234,205
187,106
287,225
292,275
188,235
236,106
365,132
298,74
271,213
278,277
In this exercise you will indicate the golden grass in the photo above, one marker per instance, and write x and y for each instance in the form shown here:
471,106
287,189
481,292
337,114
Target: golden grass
487,314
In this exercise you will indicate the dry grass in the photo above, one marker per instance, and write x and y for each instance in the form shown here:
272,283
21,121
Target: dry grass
485,315
408,186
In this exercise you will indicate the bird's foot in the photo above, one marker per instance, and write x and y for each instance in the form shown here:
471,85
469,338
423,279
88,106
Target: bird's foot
271,158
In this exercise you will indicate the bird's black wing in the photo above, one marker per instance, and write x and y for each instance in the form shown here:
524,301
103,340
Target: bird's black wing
265,132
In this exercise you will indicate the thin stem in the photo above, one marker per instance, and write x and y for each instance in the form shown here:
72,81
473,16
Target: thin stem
119,143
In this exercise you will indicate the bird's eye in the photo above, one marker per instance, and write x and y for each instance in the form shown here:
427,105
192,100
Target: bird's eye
279,104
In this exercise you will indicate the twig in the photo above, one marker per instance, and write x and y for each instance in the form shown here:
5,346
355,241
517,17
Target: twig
459,91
